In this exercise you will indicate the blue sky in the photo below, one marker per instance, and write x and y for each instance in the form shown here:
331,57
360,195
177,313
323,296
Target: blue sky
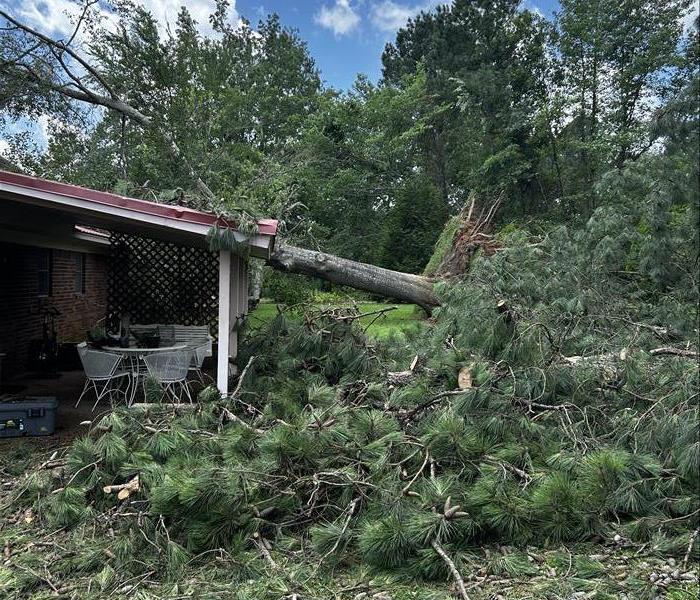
347,37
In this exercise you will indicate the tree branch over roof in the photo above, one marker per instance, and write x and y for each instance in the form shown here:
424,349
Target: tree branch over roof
110,100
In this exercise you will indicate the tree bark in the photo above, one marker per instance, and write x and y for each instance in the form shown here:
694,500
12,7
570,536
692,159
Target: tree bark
459,582
361,276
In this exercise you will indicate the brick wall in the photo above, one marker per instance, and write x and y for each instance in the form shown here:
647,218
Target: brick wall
21,304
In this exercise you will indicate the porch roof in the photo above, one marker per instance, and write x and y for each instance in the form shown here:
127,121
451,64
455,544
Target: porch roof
33,205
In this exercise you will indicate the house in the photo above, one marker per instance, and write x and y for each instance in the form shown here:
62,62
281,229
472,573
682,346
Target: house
80,254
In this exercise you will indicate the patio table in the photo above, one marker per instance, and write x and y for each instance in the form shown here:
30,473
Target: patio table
132,358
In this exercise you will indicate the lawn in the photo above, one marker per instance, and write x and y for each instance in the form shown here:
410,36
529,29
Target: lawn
399,320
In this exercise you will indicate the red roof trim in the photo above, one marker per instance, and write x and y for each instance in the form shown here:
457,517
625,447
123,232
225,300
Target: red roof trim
180,213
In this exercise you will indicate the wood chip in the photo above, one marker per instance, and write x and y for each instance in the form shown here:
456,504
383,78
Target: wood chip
464,379
124,490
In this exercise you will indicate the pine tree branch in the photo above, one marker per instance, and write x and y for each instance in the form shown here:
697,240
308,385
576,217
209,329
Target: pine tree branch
411,414
125,489
263,546
72,479
332,313
407,487
691,541
524,475
170,405
610,357
242,377
227,415
673,351
453,569
351,511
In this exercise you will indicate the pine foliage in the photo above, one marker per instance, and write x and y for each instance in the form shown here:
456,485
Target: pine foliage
542,449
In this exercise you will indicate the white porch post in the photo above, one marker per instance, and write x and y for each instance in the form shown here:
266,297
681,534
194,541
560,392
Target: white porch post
234,312
224,321
233,304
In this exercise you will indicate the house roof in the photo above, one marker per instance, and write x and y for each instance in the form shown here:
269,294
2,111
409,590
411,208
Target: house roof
93,208
183,213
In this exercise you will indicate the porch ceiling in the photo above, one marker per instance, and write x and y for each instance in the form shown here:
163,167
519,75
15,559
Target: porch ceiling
39,208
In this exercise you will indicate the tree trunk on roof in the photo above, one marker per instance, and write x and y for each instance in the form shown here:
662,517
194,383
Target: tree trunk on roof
466,235
361,276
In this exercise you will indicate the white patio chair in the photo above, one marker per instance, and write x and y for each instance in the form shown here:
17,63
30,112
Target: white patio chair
170,370
199,353
101,372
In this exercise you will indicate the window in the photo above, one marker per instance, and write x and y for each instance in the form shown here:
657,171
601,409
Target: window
45,272
79,273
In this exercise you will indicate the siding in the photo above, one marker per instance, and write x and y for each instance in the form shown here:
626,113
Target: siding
20,304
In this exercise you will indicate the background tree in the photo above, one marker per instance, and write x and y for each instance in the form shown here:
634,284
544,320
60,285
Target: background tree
616,60
485,64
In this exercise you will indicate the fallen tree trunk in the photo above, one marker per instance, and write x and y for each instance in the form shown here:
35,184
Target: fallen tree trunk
361,276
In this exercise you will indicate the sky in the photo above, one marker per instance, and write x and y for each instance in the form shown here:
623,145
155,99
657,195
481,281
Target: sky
345,37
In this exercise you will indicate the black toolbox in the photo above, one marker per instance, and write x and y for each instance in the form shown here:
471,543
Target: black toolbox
30,415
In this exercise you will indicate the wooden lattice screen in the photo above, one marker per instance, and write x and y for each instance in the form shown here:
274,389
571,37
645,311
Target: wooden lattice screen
161,282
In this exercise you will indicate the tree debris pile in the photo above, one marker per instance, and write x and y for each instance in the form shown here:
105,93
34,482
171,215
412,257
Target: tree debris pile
532,412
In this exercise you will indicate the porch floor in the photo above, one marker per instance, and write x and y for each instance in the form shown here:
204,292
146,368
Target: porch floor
66,388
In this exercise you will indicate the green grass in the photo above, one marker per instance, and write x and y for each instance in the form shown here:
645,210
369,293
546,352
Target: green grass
399,320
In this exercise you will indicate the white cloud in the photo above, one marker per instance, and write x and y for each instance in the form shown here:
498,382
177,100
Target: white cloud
4,146
165,11
340,18
389,16
51,16
57,17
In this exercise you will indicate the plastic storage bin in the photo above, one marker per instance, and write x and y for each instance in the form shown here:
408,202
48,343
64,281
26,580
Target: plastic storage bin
28,416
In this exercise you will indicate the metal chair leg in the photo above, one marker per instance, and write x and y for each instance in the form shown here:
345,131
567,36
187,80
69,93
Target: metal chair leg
205,378
127,387
100,393
115,391
97,396
169,392
85,389
186,389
